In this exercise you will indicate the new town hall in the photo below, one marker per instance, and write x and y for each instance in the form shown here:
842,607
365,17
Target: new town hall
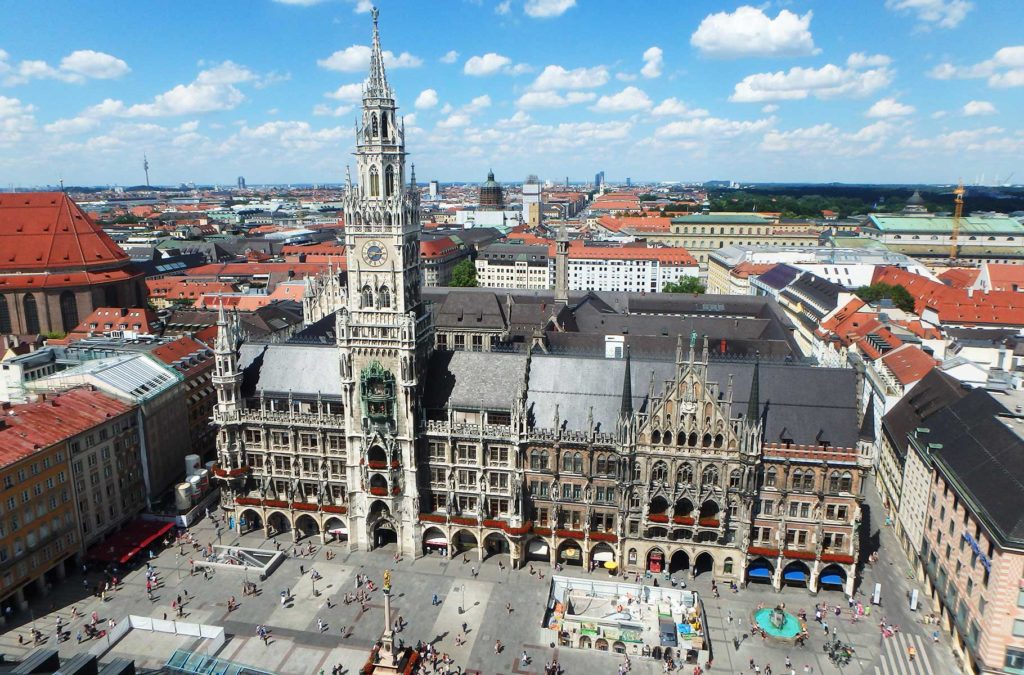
657,432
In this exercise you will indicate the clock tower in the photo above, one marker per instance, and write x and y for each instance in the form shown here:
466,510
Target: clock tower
383,332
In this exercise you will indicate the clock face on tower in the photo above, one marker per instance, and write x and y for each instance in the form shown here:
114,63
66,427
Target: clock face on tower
374,253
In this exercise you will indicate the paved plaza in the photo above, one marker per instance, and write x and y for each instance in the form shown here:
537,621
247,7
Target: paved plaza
482,591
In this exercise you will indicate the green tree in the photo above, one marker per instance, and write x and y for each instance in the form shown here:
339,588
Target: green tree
899,295
685,285
464,274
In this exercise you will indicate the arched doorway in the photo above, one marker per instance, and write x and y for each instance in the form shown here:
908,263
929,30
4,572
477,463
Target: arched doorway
832,577
570,553
680,561
336,529
709,513
249,520
655,560
68,311
600,554
496,546
434,540
760,570
584,642
307,526
619,647
795,573
658,506
384,534
537,549
279,523
683,511
601,644
703,563
463,541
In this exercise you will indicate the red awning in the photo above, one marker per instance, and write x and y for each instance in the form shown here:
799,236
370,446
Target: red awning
129,541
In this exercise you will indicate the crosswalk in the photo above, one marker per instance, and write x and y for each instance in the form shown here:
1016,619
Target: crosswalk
895,657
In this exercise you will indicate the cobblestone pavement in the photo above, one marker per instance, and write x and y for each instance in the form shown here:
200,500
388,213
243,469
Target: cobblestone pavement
479,600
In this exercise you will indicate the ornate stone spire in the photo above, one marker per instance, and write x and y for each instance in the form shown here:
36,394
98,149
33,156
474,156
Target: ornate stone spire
753,401
377,83
867,424
626,408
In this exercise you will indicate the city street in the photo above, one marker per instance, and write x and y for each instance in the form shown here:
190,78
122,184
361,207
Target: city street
297,646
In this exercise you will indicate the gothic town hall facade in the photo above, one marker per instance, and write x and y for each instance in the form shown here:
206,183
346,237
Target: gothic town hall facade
747,469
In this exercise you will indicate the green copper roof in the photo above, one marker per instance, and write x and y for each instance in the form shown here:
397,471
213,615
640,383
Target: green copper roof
936,224
721,218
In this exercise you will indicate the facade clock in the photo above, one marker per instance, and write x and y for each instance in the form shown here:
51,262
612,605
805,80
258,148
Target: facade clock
374,253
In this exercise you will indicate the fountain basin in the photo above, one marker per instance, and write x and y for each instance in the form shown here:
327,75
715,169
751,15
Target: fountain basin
787,631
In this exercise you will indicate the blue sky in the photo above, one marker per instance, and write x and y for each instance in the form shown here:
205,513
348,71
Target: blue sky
872,90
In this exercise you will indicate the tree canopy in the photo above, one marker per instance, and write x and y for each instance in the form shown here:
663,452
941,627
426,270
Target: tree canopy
685,285
899,295
464,274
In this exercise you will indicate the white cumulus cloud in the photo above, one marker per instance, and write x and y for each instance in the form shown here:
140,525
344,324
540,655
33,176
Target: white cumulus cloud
748,31
712,127
478,104
77,67
929,13
673,107
551,99
978,108
324,110
653,62
829,81
557,77
455,120
1004,69
350,93
889,107
488,64
426,99
450,57
357,58
503,7
546,9
629,99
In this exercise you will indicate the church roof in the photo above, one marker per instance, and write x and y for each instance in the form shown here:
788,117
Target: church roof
916,199
48,231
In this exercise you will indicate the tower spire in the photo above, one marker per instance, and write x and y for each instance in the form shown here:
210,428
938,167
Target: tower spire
626,408
561,262
753,401
867,424
377,84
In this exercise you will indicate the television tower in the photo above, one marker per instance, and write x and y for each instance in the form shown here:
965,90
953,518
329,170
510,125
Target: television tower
145,167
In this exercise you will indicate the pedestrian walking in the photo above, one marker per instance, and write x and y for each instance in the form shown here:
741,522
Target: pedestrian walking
524,660
434,600
320,624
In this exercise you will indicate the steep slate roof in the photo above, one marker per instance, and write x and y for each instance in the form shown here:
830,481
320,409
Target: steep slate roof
982,449
470,310
474,380
779,276
935,391
42,231
806,405
280,369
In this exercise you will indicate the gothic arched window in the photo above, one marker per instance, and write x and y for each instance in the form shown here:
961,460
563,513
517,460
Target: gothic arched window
709,476
846,482
374,182
367,297
68,311
577,463
31,313
389,181
833,482
384,294
373,125
567,462
5,317
659,473
769,478
798,477
384,125
685,475
735,477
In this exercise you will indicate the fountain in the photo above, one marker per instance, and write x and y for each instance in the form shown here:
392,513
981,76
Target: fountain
778,623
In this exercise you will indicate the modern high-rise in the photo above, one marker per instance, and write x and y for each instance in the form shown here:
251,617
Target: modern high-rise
241,182
532,201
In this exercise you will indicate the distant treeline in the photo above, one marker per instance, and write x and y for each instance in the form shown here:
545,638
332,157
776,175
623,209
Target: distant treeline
808,201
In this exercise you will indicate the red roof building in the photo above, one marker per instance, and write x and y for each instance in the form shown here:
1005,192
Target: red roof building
140,320
908,364
939,304
57,265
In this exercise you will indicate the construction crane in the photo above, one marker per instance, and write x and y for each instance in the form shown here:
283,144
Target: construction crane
958,211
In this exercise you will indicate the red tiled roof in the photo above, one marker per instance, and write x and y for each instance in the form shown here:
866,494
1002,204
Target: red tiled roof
955,305
183,288
648,223
11,282
960,277
34,426
674,255
48,231
431,248
257,269
138,319
908,363
1004,277
748,269
180,352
